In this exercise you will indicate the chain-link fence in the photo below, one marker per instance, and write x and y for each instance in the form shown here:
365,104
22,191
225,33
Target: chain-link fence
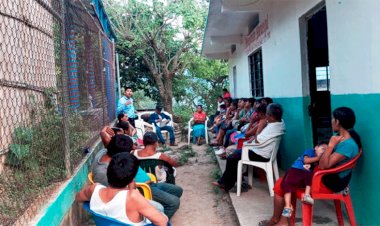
56,92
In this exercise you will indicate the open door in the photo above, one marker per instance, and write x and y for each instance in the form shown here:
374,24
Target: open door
319,75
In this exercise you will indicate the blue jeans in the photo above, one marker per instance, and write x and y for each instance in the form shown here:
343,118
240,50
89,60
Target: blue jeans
227,137
171,134
168,195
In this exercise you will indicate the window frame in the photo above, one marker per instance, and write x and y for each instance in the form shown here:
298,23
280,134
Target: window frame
255,62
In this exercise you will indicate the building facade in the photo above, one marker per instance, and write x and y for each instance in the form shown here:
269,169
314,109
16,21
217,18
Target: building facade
311,57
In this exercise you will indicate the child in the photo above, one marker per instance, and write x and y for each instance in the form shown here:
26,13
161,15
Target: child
300,175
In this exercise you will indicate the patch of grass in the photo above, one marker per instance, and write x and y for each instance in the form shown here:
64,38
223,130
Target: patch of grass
216,173
211,153
165,148
185,155
216,190
209,150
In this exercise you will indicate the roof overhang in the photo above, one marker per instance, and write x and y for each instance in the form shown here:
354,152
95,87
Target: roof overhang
227,23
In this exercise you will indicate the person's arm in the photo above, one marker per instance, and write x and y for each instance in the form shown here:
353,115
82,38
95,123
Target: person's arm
144,208
252,130
329,159
132,130
169,160
121,105
309,160
153,119
85,194
165,116
261,125
106,134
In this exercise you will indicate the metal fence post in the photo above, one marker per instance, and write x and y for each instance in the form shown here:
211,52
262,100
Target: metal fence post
64,97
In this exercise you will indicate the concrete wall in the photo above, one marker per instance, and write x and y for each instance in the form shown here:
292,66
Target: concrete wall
354,50
242,74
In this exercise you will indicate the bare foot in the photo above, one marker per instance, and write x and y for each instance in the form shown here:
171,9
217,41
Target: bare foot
284,221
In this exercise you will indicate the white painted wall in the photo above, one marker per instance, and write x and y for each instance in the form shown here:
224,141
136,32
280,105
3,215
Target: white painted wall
242,71
354,49
281,52
354,46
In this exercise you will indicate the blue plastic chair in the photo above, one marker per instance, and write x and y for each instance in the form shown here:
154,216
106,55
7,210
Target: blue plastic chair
101,220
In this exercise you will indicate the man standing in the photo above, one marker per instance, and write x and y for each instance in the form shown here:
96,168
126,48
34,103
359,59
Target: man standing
160,121
125,105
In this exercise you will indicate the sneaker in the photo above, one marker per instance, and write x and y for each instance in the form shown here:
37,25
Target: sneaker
308,199
287,212
220,151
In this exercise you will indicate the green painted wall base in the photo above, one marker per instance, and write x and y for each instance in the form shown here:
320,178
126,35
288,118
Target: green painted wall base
298,134
365,180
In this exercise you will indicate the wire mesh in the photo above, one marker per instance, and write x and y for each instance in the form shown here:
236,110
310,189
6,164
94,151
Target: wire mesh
57,90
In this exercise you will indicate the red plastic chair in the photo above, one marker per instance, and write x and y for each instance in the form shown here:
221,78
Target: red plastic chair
320,191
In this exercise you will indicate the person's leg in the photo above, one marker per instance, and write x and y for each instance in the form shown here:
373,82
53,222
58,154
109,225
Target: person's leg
170,201
287,198
230,174
255,157
227,137
157,206
220,136
171,133
159,134
278,206
171,189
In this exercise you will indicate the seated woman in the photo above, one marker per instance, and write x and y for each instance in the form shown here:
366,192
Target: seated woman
275,127
120,200
225,125
199,124
254,128
122,117
342,147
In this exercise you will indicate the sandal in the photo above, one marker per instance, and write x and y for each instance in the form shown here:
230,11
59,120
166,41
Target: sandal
308,199
287,212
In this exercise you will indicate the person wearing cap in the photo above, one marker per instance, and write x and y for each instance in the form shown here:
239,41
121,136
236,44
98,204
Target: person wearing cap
160,121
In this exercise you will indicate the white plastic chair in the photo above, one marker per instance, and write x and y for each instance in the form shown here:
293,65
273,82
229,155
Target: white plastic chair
270,167
141,124
141,127
191,130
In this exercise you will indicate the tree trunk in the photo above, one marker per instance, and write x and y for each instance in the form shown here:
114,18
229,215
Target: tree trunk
167,98
165,89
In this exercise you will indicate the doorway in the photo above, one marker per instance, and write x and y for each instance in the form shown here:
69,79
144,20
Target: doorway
318,73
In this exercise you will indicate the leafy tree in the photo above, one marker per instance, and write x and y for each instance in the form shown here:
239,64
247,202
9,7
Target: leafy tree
158,33
201,83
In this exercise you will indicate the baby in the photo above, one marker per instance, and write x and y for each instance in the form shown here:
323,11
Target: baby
300,175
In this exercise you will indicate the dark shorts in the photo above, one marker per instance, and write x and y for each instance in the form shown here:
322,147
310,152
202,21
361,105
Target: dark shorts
295,179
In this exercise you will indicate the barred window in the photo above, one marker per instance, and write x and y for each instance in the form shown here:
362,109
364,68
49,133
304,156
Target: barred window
256,73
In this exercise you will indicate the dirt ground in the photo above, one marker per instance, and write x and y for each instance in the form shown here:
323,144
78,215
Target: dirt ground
201,203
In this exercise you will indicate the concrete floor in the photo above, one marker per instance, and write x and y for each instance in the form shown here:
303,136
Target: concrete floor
256,205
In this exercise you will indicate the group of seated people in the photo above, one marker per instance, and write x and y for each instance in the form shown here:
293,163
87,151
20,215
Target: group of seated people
258,121
115,171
